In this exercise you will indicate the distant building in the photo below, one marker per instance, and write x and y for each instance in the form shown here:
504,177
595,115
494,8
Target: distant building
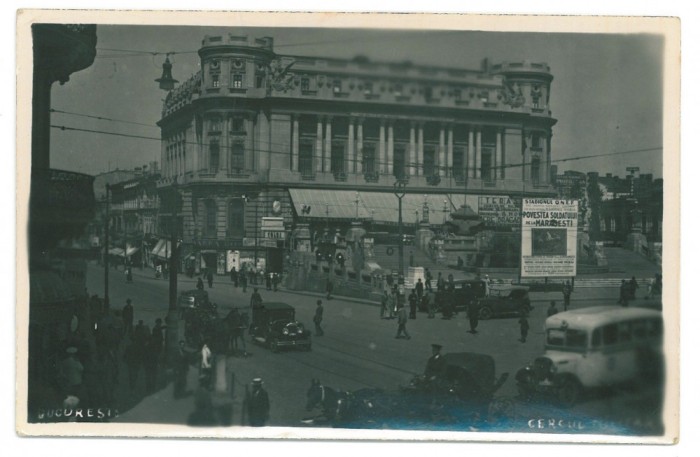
621,206
571,184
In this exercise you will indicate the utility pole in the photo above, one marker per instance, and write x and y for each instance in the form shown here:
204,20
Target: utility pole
172,319
106,246
400,192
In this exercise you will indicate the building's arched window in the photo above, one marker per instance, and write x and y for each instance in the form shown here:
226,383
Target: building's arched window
236,218
535,171
209,229
214,156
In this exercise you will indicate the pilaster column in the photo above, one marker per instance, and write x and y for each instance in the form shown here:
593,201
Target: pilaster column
450,150
358,149
390,147
478,154
412,168
421,171
318,152
384,162
441,152
327,147
251,161
193,153
295,143
471,160
225,151
351,158
549,159
499,157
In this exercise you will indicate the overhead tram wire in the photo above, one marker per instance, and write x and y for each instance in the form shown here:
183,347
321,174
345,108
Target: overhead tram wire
143,53
102,118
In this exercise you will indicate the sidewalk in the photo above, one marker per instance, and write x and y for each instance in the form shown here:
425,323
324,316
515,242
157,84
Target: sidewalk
603,288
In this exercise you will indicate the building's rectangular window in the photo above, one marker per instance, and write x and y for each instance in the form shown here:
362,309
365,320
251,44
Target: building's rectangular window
429,161
368,87
337,158
215,80
487,169
210,219
368,160
237,157
399,162
536,141
398,90
458,163
214,156
306,159
238,126
215,124
236,218
535,171
259,76
337,86
305,84
237,81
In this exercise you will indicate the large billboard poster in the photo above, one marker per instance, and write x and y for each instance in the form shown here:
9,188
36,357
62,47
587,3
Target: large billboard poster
499,211
549,237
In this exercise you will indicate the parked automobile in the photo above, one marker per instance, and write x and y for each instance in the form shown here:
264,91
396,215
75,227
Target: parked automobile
595,347
465,290
275,326
506,300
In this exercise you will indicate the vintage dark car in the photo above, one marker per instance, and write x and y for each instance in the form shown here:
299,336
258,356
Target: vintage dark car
465,291
506,300
274,325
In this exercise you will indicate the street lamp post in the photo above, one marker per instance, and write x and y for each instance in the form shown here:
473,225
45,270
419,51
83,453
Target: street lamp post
400,191
172,319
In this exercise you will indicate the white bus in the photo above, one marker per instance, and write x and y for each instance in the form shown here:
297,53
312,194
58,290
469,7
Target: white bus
595,347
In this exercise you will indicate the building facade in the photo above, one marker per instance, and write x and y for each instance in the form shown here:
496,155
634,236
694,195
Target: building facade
255,134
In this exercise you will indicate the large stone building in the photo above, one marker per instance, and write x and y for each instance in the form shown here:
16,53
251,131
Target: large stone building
255,134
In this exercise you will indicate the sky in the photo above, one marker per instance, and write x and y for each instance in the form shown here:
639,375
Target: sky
606,93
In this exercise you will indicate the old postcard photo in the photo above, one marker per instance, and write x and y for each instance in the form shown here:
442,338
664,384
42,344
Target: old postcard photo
348,226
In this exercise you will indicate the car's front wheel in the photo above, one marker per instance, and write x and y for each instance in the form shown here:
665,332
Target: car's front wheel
485,313
569,391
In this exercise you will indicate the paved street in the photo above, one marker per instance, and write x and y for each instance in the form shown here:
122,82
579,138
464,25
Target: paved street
358,350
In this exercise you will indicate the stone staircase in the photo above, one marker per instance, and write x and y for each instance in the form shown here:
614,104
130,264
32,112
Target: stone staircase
391,262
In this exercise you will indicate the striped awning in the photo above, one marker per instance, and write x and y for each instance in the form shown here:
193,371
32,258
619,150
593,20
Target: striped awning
162,249
382,207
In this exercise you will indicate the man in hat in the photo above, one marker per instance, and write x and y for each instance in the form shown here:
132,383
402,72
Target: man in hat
566,291
403,320
257,404
473,315
255,299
